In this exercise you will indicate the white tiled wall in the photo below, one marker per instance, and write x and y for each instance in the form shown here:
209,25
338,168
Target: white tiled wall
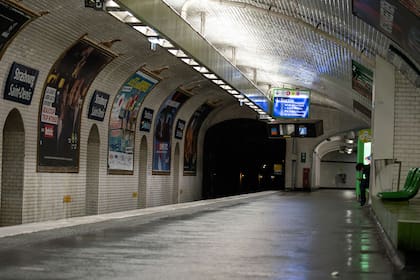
407,124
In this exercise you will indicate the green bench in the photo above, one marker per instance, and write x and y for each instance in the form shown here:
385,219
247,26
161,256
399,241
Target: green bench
410,189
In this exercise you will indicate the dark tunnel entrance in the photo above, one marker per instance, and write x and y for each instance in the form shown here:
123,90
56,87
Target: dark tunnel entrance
240,158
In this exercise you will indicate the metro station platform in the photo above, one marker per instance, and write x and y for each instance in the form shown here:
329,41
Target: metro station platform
323,234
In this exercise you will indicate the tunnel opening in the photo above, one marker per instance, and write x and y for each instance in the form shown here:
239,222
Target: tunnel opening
240,158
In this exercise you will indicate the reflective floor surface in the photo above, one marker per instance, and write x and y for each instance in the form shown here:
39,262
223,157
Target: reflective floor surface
323,234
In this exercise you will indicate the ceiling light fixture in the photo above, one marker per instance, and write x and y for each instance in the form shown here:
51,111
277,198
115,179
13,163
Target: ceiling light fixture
189,61
177,53
146,30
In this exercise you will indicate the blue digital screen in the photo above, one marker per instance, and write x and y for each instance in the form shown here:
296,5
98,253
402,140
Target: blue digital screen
291,104
261,101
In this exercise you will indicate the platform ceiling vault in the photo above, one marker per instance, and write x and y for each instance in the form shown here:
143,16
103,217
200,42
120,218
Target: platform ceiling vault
288,43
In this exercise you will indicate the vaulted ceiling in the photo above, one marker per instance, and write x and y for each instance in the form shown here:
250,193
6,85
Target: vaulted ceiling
297,43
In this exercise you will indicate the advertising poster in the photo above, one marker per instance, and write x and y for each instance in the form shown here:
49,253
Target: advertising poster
179,129
290,103
61,105
98,105
191,138
20,84
11,20
395,19
362,79
123,120
163,132
146,120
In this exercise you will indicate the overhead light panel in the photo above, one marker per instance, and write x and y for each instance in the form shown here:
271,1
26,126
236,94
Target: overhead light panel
211,76
177,53
239,96
201,69
124,16
226,87
190,61
218,82
111,4
146,30
233,92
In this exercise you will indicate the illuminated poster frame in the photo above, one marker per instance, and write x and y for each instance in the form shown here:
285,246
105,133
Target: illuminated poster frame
290,103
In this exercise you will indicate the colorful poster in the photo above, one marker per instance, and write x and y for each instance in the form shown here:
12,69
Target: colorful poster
163,132
191,139
362,79
146,120
123,120
393,19
179,129
61,105
11,20
20,84
98,105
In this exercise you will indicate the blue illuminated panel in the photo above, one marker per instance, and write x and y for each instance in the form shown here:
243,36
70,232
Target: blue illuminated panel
290,103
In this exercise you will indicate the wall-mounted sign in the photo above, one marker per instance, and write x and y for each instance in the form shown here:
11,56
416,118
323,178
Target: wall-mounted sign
179,129
20,84
290,103
97,106
314,128
362,79
146,120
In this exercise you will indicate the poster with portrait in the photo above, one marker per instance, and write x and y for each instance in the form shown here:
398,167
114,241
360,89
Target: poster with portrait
191,138
61,104
11,20
123,121
163,132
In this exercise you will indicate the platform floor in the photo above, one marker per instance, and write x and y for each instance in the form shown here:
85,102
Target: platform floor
323,234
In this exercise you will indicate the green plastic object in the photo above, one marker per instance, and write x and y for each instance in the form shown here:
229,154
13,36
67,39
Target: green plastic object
410,189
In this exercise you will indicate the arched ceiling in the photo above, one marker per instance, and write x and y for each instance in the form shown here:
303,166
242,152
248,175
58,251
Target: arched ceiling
296,43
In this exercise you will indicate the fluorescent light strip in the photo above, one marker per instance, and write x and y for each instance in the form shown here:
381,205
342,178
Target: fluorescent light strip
201,69
177,53
189,61
124,16
233,92
211,76
111,4
218,82
226,87
146,30
239,96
